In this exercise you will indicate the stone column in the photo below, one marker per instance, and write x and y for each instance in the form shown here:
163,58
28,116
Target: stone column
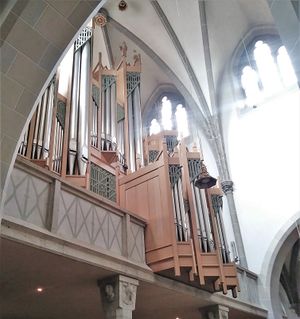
215,312
118,295
227,187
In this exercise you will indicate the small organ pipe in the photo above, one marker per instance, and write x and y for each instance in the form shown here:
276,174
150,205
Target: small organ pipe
113,115
36,130
83,109
61,146
182,210
177,207
41,124
121,141
74,111
55,144
175,216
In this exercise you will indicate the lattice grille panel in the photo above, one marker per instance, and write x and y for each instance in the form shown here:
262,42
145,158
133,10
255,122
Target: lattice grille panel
84,36
133,80
194,168
153,155
103,182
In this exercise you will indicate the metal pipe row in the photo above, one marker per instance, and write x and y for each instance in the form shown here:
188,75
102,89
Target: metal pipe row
108,117
201,231
180,214
58,146
23,146
222,235
78,133
203,220
42,125
84,97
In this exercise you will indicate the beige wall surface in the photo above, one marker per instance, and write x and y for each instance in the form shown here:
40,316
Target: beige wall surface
34,35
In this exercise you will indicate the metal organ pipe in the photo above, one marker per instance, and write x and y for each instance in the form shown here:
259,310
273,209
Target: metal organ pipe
182,211
113,115
120,136
103,99
83,109
200,218
131,133
41,124
108,117
206,220
74,111
36,130
177,212
48,122
138,124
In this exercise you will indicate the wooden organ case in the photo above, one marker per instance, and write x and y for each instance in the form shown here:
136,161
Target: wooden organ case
185,236
92,137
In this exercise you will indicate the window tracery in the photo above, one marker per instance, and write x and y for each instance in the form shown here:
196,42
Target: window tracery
171,115
266,70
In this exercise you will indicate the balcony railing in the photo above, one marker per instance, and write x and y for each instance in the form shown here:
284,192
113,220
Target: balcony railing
42,198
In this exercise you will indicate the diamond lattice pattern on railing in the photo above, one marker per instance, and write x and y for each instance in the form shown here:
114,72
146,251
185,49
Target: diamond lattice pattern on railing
81,219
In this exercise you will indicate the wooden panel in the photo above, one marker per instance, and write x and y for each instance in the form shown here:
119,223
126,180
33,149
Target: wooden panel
159,254
163,265
210,259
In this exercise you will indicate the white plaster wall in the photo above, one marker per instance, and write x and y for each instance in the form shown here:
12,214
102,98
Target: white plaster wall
264,158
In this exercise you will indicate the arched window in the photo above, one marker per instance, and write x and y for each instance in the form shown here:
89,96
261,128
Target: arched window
265,70
170,115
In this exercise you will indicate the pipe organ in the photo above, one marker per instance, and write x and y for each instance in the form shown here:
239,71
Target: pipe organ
92,136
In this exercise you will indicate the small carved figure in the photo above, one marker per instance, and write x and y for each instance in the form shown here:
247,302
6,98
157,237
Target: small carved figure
123,49
109,293
128,294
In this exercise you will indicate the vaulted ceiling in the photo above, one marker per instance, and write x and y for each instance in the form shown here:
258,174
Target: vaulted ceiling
169,34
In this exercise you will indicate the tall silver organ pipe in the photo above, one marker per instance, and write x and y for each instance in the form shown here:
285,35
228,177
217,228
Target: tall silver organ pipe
83,151
138,125
102,117
180,213
132,165
48,121
204,228
207,221
200,219
113,115
108,116
74,111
